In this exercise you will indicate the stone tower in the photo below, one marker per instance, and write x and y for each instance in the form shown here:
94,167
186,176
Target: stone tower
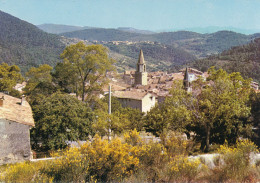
140,73
186,81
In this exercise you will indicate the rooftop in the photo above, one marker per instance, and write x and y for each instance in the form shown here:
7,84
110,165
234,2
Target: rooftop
12,110
129,94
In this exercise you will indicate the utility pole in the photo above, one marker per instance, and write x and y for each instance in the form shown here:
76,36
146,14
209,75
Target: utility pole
109,112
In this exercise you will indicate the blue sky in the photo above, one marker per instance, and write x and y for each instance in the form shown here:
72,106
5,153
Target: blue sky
141,14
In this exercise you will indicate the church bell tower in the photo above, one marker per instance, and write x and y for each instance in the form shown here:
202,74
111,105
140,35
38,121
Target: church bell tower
140,73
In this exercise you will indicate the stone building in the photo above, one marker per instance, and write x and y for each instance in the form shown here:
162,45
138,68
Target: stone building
16,119
137,100
140,73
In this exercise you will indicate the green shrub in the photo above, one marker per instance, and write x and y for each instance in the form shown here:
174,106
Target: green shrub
236,164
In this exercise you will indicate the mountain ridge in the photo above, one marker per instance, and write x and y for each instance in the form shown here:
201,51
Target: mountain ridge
25,45
201,45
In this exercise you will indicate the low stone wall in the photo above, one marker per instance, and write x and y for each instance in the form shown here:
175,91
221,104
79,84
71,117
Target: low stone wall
209,158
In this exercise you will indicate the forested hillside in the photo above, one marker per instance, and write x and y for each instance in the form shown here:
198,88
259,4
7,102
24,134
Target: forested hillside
244,59
157,56
200,45
58,29
23,44
99,34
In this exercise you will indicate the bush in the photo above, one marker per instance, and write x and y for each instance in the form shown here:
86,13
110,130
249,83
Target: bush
183,169
24,172
110,161
133,160
234,163
72,166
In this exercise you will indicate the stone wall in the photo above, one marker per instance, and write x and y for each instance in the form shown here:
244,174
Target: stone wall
14,142
135,104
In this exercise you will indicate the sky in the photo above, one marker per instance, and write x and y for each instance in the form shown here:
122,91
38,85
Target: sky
141,14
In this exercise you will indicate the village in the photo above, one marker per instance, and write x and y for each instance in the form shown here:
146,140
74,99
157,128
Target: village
130,91
141,89
134,89
137,89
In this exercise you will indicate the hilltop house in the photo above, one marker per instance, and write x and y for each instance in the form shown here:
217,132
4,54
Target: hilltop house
16,119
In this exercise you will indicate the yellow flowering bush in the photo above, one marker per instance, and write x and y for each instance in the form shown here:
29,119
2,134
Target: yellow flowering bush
110,161
153,159
133,137
183,169
235,164
24,172
98,160
174,144
71,166
134,160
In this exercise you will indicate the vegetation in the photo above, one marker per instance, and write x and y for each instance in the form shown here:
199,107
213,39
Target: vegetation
88,66
243,59
99,34
217,110
9,77
58,119
133,160
23,44
169,49
200,45
157,56
220,110
27,46
39,83
236,165
58,28
120,120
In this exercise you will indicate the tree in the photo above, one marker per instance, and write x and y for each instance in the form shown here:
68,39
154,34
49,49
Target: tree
60,118
9,77
217,110
89,64
120,120
65,77
39,84
220,110
172,114
37,75
255,112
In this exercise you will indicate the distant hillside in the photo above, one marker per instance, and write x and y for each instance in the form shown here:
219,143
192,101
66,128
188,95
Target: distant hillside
157,56
212,29
58,29
200,45
214,43
100,34
244,59
133,30
24,44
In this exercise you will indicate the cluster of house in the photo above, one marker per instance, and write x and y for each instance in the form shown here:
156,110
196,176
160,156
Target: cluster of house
141,90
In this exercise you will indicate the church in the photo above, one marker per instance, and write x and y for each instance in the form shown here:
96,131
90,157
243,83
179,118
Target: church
137,99
146,89
140,73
